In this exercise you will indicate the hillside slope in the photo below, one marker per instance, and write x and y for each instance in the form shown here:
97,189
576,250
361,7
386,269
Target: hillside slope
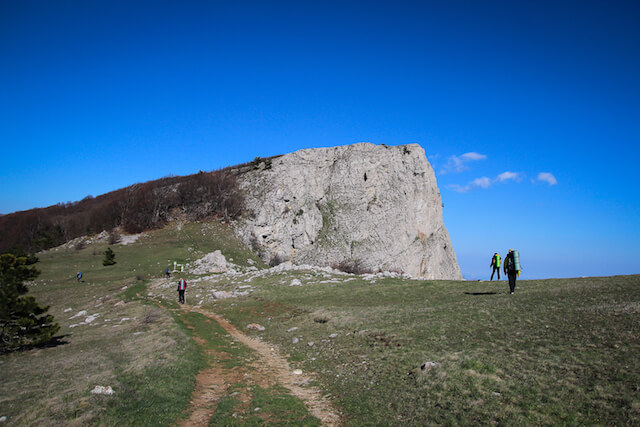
386,349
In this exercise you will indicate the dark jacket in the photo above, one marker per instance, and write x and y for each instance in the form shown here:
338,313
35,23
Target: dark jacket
509,264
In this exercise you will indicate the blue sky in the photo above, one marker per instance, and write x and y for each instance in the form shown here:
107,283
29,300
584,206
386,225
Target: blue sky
96,96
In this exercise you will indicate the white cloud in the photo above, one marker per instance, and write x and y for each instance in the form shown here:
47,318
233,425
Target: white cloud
506,176
472,156
483,182
547,177
458,188
457,164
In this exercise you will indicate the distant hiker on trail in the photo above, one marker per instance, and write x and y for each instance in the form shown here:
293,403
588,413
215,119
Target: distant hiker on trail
167,272
495,263
79,275
512,268
182,286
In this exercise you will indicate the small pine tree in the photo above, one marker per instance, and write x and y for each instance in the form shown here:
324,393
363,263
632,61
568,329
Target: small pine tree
23,321
109,257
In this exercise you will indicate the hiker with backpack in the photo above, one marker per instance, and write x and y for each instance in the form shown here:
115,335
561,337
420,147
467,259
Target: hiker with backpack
495,263
182,286
511,267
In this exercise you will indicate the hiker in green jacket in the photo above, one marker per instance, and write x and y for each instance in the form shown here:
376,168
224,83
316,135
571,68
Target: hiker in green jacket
495,263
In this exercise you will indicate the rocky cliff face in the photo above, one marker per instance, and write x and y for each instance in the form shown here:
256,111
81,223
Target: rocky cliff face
373,203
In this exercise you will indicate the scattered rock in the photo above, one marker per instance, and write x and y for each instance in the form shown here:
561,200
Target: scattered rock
222,294
495,393
295,340
66,310
295,282
428,365
333,335
130,238
227,294
255,327
3,419
119,304
91,318
310,343
213,262
297,372
295,328
79,314
99,389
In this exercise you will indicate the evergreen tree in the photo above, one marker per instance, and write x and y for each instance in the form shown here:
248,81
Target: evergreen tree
23,321
109,257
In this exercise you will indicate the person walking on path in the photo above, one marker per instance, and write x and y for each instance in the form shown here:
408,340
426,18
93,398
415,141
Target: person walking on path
182,286
79,276
510,270
495,263
166,272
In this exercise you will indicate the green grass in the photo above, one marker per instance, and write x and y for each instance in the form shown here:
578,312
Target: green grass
142,352
558,351
227,352
272,406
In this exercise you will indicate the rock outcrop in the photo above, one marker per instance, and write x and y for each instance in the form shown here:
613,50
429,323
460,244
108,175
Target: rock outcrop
374,204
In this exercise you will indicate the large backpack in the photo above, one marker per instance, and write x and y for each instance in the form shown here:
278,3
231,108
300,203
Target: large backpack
516,261
182,285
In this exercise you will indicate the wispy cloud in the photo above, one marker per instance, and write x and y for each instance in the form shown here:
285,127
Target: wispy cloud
457,164
485,182
472,156
548,178
506,176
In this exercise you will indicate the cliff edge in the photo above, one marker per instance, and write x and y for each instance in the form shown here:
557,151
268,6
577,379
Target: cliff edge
377,204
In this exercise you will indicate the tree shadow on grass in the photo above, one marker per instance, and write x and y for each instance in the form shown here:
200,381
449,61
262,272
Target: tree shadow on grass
54,342
481,293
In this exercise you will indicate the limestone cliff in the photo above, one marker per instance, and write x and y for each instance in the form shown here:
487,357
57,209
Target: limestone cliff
373,203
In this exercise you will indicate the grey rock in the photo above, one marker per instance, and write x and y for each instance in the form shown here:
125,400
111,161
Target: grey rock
373,203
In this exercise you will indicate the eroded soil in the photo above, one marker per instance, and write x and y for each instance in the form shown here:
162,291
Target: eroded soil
268,369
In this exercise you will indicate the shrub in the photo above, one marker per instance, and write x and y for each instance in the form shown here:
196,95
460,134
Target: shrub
114,237
109,257
353,266
277,259
137,208
23,321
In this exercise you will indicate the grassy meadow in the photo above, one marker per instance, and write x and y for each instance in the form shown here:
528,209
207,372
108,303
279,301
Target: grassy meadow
556,352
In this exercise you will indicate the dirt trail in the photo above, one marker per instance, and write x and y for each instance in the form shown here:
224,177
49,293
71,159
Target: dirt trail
269,369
